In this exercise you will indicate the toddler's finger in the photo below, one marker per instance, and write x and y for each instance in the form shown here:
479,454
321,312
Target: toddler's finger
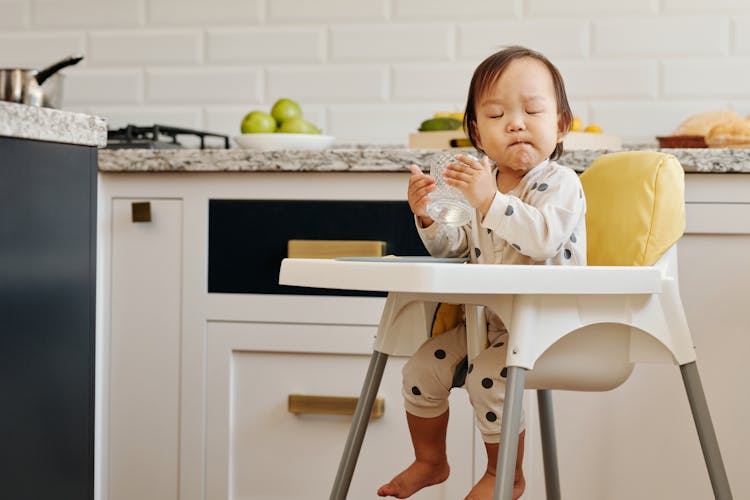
415,170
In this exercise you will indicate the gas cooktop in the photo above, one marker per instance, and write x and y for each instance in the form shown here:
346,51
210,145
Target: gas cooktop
160,137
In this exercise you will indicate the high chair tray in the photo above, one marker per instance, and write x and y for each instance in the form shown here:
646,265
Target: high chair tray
435,277
403,259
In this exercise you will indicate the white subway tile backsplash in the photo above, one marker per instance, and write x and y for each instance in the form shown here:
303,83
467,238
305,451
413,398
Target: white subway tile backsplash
329,84
38,49
145,47
672,6
200,12
273,45
554,38
589,8
450,9
103,86
688,36
382,124
120,116
741,30
707,78
420,82
213,85
372,70
14,14
641,122
327,11
594,79
421,42
91,13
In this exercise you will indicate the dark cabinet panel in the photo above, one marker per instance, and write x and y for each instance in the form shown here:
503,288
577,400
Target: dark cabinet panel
247,239
47,306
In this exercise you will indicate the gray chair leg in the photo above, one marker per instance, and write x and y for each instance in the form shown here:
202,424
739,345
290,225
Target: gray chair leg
549,446
508,450
359,426
714,463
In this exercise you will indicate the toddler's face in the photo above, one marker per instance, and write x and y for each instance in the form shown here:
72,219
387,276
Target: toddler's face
517,119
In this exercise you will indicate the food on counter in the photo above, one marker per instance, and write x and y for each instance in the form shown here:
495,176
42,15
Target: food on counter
702,123
449,114
720,129
440,123
298,126
285,117
258,122
576,125
730,134
593,129
285,109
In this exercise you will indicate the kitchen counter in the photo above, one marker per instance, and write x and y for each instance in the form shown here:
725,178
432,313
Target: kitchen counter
366,158
51,125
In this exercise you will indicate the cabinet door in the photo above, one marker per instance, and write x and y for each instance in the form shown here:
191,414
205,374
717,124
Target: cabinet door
144,352
257,450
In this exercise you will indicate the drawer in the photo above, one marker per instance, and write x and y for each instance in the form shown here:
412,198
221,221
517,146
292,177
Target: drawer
253,441
247,239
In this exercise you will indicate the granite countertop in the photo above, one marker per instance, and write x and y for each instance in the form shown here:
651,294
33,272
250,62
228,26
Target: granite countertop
367,158
44,124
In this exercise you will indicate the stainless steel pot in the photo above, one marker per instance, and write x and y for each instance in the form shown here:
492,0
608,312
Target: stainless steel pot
35,87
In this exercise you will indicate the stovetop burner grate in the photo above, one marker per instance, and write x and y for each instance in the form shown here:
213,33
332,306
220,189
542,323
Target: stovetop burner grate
156,137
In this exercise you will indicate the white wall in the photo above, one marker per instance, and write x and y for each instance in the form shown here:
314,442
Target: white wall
372,70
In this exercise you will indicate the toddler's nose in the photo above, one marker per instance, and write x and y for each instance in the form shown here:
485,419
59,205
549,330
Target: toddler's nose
516,123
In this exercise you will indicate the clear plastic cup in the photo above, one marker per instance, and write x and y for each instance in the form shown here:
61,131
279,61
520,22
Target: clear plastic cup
447,204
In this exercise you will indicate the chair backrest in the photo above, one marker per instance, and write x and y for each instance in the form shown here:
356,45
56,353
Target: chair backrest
635,207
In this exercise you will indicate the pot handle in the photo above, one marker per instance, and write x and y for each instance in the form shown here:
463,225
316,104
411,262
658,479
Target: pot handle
42,75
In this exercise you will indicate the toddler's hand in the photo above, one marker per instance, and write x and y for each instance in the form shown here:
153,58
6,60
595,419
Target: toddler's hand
420,185
474,179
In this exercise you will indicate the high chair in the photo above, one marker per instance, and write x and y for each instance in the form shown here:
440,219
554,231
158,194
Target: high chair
572,328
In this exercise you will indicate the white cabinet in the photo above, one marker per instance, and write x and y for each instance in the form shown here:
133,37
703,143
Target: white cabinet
143,351
255,446
193,385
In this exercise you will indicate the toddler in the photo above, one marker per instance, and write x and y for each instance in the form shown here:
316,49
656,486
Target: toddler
528,210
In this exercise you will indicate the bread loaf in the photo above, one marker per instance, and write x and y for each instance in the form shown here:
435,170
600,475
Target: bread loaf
733,133
702,123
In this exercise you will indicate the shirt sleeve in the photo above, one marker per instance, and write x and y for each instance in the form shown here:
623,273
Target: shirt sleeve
442,240
538,223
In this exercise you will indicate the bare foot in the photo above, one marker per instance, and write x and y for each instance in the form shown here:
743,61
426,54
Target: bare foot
485,487
415,477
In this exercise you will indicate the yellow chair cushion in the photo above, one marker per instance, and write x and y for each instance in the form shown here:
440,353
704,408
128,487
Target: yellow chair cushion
635,207
635,212
447,316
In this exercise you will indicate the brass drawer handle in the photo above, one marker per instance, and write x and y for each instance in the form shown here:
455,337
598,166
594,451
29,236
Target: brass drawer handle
330,249
140,211
331,405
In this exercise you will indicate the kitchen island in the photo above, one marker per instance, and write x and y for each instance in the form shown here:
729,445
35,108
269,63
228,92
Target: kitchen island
369,158
200,368
48,173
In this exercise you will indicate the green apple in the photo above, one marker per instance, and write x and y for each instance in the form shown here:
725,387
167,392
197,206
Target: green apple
258,122
298,126
285,109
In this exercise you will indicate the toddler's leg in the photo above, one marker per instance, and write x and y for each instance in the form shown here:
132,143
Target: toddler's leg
430,464
485,487
485,383
427,380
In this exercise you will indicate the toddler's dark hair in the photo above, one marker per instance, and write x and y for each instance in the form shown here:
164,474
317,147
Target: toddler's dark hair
487,74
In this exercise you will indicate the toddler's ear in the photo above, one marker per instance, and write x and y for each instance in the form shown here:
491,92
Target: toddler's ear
562,128
475,130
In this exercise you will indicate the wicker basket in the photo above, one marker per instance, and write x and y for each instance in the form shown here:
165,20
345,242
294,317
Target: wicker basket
682,141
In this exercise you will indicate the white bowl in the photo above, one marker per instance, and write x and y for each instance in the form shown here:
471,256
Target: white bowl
268,142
